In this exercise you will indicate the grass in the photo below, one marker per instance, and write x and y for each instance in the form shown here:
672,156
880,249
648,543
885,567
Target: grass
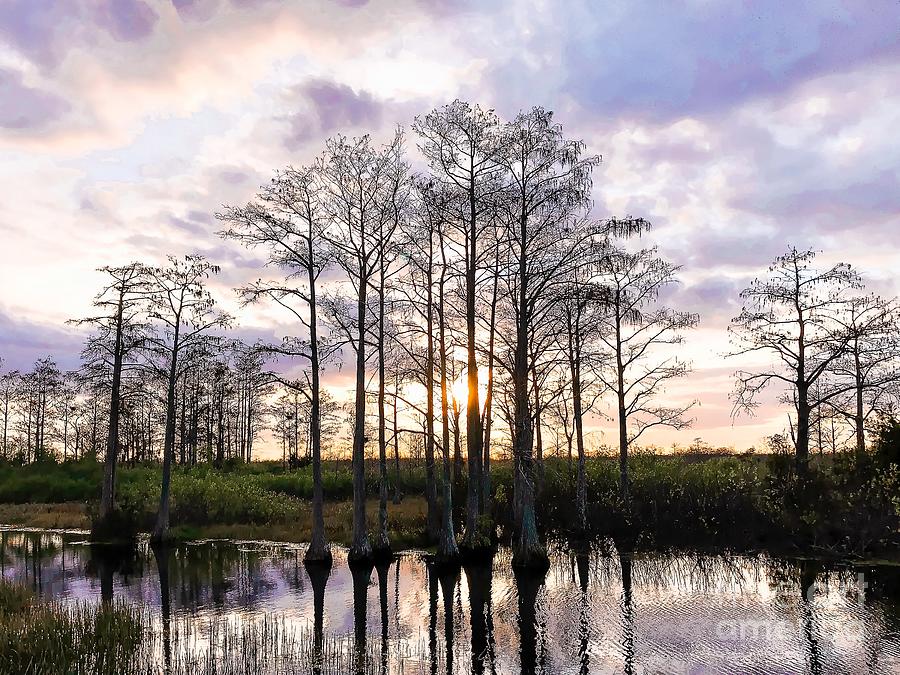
44,638
845,505
78,639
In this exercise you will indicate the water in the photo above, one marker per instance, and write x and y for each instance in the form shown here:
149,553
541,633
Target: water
597,612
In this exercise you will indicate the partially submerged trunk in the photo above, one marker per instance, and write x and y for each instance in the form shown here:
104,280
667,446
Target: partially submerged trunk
360,548
108,491
474,539
382,545
319,550
528,550
447,548
161,529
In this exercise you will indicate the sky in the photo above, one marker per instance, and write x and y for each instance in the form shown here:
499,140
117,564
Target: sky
736,128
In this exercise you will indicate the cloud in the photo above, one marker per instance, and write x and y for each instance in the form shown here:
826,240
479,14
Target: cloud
22,342
44,31
26,107
654,61
327,107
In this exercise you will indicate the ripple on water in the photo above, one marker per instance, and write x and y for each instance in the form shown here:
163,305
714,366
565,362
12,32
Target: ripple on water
594,612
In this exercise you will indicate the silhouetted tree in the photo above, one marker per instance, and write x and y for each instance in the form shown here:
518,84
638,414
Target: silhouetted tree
288,220
119,330
184,313
793,315
633,326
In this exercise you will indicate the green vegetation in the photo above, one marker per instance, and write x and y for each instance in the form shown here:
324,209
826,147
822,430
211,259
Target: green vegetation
50,638
80,638
845,504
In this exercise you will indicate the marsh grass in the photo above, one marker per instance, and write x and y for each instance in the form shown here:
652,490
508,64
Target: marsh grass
74,638
120,638
676,499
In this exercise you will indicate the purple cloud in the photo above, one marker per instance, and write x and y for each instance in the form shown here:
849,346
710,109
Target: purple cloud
196,10
658,61
45,30
23,342
331,107
126,20
25,107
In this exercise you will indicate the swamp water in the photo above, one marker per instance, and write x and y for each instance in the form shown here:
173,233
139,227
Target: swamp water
253,607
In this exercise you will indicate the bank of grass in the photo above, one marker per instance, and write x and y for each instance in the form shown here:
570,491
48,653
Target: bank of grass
38,638
845,504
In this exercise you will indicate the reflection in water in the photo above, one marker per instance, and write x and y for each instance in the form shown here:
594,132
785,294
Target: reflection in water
361,574
318,579
163,553
478,578
627,614
582,563
596,611
448,579
528,584
382,569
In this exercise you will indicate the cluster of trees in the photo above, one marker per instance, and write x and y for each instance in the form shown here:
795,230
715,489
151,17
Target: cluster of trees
834,350
488,266
481,295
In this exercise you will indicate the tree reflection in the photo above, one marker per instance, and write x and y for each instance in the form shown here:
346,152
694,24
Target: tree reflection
318,579
361,574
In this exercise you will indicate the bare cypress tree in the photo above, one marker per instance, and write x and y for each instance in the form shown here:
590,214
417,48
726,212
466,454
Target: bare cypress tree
448,551
634,325
792,314
422,261
358,182
184,313
288,220
579,309
860,382
119,332
394,213
461,144
548,194
9,382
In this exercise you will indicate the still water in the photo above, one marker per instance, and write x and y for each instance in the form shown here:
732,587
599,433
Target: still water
600,611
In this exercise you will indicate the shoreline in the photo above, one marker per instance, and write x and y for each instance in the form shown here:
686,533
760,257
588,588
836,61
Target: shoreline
72,518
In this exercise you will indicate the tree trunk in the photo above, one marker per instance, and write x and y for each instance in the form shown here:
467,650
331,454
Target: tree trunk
486,506
859,417
108,491
361,548
528,549
382,546
396,440
624,485
447,548
161,529
578,414
319,550
473,538
433,517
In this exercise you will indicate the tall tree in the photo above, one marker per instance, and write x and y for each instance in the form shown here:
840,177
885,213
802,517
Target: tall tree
358,181
859,383
418,304
119,332
184,313
288,220
582,300
546,200
634,326
461,144
792,315
9,384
